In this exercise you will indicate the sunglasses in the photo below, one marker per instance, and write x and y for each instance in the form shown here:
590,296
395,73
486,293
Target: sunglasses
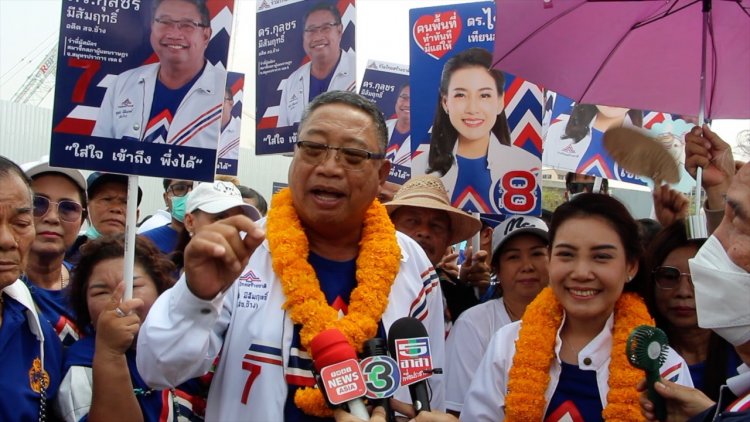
668,278
578,187
67,210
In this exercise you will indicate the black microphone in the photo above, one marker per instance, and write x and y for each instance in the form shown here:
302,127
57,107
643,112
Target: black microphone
382,376
410,346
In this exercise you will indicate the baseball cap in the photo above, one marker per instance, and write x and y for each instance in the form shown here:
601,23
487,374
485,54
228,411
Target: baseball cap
35,168
428,191
98,179
515,225
218,197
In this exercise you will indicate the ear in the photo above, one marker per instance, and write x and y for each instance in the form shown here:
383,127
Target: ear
207,34
500,104
632,270
383,171
189,222
167,202
444,103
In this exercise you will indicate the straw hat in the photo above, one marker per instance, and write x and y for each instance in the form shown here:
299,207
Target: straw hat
428,191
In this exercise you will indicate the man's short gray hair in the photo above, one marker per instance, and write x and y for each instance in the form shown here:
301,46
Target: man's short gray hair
355,100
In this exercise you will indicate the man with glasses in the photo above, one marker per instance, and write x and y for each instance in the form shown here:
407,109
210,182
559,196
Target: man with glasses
242,295
59,203
330,68
175,197
578,183
178,100
107,209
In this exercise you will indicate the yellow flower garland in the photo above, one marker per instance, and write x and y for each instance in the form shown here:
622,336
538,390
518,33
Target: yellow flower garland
535,350
378,263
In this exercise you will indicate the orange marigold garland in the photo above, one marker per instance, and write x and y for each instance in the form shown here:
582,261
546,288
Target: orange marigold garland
535,350
378,263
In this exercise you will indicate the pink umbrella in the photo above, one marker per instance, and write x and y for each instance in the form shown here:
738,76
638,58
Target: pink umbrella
642,54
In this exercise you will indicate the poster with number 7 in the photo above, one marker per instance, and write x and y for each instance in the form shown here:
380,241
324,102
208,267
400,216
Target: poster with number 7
477,128
140,86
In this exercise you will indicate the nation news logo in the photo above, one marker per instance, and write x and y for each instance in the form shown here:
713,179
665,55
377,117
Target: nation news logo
414,359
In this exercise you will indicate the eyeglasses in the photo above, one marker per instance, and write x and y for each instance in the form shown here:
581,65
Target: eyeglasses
404,97
578,187
67,210
185,25
354,158
668,278
323,29
180,189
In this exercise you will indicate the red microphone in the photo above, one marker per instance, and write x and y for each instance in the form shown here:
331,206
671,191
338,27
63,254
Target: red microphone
340,377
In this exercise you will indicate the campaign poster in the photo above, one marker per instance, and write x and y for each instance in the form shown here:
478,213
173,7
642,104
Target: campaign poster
140,86
228,153
477,128
387,85
305,48
574,139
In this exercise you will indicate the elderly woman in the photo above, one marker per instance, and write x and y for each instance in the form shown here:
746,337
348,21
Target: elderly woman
101,379
519,260
59,211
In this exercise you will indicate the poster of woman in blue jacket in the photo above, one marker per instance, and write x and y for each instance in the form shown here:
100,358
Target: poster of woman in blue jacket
484,139
140,86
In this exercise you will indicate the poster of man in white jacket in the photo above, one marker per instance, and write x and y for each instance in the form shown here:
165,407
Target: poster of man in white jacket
330,68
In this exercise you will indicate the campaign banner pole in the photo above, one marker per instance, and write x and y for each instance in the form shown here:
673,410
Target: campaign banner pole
130,229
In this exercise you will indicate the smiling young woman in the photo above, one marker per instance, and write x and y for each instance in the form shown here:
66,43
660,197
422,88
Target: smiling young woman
566,356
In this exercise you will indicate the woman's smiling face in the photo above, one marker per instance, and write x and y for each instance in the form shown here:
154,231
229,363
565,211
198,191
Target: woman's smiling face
472,103
589,268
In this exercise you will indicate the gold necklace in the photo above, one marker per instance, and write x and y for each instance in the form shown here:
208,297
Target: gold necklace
62,278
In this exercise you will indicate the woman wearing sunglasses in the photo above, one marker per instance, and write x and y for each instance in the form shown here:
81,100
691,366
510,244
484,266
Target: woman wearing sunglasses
671,300
59,202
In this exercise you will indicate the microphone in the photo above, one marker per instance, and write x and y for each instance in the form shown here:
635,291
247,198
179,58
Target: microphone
409,344
339,375
382,376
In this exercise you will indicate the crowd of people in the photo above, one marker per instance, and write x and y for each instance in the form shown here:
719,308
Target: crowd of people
530,322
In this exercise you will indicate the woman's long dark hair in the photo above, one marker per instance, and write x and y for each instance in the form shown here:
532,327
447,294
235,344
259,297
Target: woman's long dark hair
579,123
444,135
667,240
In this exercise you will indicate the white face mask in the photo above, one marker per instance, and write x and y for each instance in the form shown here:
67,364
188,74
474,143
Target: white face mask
722,293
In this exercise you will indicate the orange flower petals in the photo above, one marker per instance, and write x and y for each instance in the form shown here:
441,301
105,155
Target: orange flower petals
535,350
378,264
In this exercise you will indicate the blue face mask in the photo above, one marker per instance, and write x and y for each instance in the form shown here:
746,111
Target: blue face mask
92,233
178,208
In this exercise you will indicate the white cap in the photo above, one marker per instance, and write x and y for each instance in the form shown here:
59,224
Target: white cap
515,225
35,168
218,197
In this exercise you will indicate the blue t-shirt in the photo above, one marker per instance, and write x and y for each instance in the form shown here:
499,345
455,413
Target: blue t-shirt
471,191
153,403
164,106
165,238
337,280
394,144
20,359
576,398
319,86
54,306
